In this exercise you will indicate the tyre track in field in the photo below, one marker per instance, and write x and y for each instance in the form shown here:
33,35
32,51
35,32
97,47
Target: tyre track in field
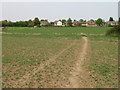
27,77
74,79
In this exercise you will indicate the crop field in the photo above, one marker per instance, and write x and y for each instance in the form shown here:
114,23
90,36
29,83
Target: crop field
59,57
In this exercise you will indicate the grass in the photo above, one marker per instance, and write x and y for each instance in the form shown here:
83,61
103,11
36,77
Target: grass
26,49
103,64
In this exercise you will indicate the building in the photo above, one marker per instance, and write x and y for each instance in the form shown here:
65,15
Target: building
75,23
91,24
83,23
44,23
88,24
113,23
58,23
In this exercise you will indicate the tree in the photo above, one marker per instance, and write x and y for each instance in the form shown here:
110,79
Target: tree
81,20
20,24
36,22
111,19
99,21
92,20
69,22
115,31
63,21
74,20
30,23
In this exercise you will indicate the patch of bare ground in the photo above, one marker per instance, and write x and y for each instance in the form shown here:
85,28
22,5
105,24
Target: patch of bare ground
79,77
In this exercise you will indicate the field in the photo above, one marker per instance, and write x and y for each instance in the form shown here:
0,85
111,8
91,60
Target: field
59,57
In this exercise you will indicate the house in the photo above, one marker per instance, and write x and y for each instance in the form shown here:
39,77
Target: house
113,23
83,23
91,24
44,23
75,23
58,23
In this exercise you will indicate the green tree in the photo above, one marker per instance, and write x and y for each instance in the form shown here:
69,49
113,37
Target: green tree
115,31
81,20
64,21
92,20
69,22
36,22
99,21
111,19
20,24
30,23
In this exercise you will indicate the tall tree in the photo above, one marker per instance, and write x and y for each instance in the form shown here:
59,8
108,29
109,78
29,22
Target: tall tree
69,22
63,21
36,22
99,21
111,19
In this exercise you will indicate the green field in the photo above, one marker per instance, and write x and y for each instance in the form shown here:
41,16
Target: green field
47,56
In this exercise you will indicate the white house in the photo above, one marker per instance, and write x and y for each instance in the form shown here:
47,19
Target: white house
112,22
58,23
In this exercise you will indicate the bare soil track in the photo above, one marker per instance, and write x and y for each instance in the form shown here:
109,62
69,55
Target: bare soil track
78,71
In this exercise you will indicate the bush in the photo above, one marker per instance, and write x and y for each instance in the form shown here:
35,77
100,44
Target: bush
114,31
110,25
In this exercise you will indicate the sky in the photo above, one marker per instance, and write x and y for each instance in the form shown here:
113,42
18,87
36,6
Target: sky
16,11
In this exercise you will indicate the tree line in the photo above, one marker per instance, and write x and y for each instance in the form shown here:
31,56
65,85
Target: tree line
36,22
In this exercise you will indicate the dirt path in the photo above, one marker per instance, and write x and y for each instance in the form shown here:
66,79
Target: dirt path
28,76
77,70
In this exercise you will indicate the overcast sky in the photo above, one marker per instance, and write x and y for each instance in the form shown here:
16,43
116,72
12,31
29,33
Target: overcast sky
16,11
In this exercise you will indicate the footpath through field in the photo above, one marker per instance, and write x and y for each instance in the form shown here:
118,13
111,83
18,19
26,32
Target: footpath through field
74,79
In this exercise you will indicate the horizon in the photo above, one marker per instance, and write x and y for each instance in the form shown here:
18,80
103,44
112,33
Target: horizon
23,11
59,19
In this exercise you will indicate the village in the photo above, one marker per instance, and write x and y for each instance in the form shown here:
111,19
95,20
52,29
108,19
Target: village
90,23
60,23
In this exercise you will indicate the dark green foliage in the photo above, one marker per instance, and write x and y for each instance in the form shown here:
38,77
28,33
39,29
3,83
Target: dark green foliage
114,31
4,24
69,22
15,24
109,25
111,19
20,24
99,21
36,22
63,21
